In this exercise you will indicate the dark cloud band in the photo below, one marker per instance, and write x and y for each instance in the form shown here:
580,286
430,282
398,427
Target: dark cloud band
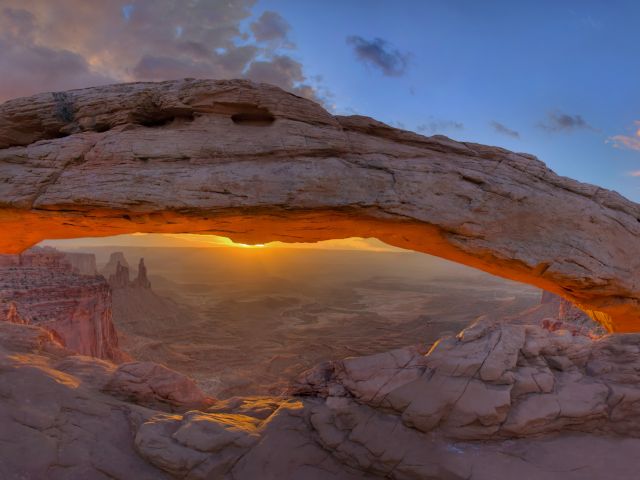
504,130
563,122
380,54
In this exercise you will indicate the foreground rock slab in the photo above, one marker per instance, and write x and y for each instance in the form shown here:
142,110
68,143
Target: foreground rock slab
497,402
70,409
495,380
255,163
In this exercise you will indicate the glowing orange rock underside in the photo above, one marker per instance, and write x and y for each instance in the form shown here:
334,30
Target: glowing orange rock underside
23,229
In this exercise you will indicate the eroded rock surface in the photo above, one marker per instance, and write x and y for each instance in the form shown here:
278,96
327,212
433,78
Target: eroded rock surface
115,259
121,278
55,422
42,287
256,163
498,401
156,386
82,263
62,406
493,388
496,381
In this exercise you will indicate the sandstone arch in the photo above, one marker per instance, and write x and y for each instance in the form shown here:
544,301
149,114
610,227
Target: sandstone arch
255,163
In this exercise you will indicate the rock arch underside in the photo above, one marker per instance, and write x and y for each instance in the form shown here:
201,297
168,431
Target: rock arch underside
256,164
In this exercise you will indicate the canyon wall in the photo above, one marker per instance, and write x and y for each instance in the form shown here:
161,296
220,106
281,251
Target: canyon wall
41,287
115,259
254,163
82,263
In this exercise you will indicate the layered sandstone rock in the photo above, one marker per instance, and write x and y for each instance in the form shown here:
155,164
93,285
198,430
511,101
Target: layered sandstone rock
256,163
82,263
553,404
121,278
141,280
65,408
42,288
115,259
9,313
496,380
51,403
156,386
496,389
557,313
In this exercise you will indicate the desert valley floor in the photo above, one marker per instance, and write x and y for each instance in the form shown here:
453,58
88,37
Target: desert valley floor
248,322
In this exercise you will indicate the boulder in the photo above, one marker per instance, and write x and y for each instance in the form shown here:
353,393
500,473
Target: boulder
156,386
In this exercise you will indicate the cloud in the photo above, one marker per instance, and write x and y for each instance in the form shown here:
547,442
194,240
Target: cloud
439,126
504,130
563,122
280,70
27,67
635,173
52,46
380,54
631,142
270,27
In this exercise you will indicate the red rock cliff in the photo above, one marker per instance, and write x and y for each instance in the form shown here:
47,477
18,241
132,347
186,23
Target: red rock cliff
82,263
44,289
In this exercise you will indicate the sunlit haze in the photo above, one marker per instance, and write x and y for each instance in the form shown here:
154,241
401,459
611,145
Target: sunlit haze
192,240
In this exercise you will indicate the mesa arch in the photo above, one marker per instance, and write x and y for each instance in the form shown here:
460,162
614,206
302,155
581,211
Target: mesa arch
255,163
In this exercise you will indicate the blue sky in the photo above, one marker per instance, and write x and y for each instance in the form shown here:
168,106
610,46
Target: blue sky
495,71
471,62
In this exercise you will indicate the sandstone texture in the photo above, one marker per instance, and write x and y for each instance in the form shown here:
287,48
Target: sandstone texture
117,272
70,409
503,386
156,386
255,163
496,402
41,287
82,263
56,423
111,268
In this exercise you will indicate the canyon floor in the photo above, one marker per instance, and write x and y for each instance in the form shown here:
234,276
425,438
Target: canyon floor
251,327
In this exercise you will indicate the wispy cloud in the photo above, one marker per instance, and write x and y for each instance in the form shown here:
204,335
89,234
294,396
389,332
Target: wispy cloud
435,125
380,54
563,122
504,130
635,173
631,142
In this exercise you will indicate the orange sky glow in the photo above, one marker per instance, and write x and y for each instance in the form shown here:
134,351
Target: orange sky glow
213,241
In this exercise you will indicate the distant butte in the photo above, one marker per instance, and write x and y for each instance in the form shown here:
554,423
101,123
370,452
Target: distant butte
255,163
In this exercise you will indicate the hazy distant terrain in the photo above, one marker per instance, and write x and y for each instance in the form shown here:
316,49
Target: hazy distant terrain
246,321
